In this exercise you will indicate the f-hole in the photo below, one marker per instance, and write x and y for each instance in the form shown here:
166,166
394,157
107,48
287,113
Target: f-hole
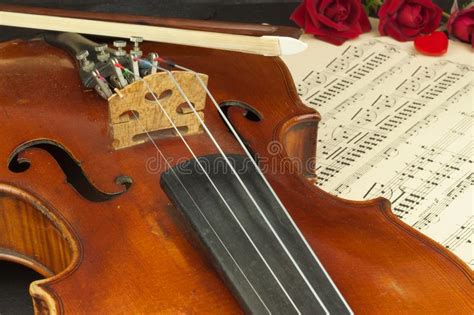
248,112
75,175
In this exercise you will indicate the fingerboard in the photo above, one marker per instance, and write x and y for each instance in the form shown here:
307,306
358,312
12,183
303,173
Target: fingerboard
259,253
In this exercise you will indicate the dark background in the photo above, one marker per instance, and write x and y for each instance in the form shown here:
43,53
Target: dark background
14,279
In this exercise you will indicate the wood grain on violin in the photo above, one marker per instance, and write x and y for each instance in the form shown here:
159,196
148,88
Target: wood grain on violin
126,250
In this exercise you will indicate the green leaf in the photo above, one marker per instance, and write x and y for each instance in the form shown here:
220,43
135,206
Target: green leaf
372,6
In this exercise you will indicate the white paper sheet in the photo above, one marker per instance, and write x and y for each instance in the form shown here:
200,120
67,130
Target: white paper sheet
398,125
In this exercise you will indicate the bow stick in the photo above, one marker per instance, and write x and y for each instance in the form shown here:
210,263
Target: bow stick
216,35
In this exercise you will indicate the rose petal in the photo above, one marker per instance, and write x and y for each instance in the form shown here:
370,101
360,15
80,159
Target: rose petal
426,4
432,23
354,11
331,39
409,32
311,8
410,16
451,19
382,14
299,15
364,23
394,32
346,25
405,19
461,25
340,27
392,6
462,28
334,21
337,12
322,5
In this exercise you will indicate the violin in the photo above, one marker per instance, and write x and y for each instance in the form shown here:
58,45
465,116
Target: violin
163,178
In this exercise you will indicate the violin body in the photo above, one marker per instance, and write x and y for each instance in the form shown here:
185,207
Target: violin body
130,253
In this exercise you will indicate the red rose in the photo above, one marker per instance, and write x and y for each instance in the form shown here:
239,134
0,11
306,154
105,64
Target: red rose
404,20
334,21
461,25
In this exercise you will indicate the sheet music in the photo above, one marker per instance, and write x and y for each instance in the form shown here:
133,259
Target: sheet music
398,125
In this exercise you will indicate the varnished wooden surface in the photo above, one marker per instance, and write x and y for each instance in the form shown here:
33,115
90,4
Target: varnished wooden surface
31,236
130,256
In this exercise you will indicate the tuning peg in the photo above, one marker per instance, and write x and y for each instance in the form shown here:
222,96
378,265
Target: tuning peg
136,40
86,65
102,55
120,44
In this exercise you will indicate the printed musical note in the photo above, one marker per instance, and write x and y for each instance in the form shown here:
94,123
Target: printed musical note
435,209
398,125
462,236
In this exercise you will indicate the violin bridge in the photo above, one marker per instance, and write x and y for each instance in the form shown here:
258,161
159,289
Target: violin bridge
135,113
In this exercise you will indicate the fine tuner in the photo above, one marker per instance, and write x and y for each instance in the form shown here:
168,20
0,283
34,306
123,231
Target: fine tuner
120,44
102,55
136,49
112,68
133,85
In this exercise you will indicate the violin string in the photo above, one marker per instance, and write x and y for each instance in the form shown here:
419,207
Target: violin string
245,188
267,183
202,213
259,209
214,187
